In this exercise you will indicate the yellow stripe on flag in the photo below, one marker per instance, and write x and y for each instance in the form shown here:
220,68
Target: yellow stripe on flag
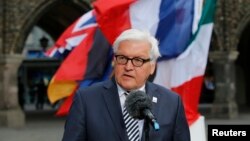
60,89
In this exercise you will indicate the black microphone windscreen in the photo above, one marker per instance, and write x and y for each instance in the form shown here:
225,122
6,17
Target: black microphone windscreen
136,102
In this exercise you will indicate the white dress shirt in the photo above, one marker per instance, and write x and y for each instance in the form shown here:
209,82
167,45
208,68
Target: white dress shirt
122,96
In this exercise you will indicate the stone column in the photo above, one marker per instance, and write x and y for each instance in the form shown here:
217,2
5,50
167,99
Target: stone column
224,105
11,114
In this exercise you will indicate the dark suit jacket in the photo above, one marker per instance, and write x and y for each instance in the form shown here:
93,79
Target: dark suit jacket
96,115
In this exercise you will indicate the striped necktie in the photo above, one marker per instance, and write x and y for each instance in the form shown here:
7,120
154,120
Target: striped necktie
132,126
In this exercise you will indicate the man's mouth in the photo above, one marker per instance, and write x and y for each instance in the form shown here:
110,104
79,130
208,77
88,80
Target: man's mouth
126,75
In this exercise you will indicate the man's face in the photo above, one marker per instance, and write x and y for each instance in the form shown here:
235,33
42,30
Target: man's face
128,76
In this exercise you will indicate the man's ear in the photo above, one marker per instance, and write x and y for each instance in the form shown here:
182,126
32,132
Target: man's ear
152,73
153,68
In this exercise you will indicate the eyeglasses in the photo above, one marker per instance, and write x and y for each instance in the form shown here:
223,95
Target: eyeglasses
136,61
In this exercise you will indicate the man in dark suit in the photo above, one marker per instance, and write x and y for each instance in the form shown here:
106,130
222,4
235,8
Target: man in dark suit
96,113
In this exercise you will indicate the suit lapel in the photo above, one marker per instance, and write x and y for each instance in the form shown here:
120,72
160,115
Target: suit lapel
112,101
151,90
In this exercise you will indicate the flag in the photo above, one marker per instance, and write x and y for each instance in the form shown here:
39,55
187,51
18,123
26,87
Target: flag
184,74
87,60
72,36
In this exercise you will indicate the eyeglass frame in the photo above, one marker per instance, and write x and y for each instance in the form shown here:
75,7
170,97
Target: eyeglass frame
134,58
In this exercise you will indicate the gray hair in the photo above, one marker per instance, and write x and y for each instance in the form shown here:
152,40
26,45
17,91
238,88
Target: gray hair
135,34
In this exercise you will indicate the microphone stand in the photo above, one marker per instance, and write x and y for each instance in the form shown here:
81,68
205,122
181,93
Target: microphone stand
146,130
155,125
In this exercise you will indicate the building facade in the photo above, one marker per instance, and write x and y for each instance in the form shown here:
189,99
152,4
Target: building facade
228,53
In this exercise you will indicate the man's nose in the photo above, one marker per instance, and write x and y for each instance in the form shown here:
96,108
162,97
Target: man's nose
129,65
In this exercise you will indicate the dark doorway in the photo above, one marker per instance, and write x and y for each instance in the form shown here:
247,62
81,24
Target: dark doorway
33,78
58,17
243,63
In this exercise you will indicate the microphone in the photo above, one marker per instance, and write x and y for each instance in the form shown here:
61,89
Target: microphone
138,105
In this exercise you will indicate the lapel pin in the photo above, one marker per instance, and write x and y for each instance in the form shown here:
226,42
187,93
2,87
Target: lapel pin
154,99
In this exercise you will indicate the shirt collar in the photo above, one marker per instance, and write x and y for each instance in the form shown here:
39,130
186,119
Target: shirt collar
121,91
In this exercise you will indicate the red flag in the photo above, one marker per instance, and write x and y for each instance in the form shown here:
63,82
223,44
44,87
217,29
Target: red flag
113,17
